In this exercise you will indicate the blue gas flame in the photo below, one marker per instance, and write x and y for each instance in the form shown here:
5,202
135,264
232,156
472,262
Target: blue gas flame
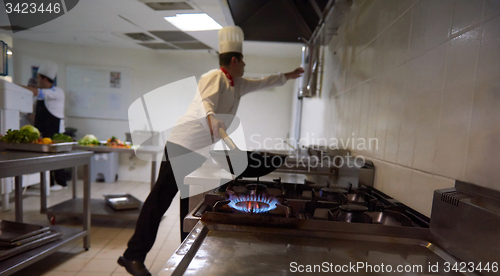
270,201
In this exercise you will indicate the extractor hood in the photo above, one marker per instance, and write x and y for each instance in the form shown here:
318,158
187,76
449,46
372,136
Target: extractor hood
277,20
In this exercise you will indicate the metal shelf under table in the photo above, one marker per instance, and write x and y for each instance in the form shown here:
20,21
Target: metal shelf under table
98,208
18,262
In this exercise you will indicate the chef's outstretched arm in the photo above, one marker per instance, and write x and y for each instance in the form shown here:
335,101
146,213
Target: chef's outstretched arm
297,73
250,85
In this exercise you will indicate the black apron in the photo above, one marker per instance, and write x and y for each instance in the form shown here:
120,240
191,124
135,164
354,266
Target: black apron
46,123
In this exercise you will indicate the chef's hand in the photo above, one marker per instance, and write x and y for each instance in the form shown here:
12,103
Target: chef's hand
297,73
214,125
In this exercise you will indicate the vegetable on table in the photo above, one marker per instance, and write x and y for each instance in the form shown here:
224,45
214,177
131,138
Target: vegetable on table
89,140
116,143
61,138
27,134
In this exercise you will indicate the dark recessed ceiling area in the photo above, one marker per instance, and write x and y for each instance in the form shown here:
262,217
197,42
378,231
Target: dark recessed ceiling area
13,28
140,36
277,20
169,6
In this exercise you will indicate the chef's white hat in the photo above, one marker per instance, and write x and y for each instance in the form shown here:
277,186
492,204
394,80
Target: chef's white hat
48,69
231,39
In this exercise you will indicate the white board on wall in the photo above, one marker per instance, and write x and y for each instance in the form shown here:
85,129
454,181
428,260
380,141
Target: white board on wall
98,92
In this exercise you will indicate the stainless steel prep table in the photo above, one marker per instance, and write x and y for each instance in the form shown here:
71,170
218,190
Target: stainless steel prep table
153,150
17,163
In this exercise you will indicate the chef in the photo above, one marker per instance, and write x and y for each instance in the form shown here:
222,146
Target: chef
49,111
219,94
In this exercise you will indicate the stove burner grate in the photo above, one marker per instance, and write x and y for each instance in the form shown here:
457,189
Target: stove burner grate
253,203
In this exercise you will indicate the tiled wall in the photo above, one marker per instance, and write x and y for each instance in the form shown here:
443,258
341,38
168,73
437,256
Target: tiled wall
423,77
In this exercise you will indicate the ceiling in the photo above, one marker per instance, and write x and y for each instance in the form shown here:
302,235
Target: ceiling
104,23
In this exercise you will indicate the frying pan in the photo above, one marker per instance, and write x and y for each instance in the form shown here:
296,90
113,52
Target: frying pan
246,163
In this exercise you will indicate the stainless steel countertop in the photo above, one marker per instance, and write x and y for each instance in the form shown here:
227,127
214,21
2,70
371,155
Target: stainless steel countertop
214,248
14,163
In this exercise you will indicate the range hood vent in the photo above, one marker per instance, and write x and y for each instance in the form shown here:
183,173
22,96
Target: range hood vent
173,36
169,6
158,46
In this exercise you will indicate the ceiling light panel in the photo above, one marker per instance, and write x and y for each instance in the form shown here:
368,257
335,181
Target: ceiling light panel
193,22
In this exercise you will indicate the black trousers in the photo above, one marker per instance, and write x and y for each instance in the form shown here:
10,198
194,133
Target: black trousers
161,197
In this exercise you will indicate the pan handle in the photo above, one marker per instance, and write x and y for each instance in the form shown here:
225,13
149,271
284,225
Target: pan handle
229,142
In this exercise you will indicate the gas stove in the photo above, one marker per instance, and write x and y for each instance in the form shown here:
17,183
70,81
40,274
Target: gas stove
281,228
275,202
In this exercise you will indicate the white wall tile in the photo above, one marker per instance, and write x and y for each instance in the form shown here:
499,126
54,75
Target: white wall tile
439,24
450,84
489,53
466,14
401,36
457,104
395,87
430,108
382,115
356,115
484,142
410,111
491,9
459,84
383,174
387,14
363,122
422,191
398,184
405,5
373,116
370,11
419,24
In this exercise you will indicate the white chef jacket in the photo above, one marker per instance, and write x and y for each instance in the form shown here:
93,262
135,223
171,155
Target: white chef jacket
215,96
54,100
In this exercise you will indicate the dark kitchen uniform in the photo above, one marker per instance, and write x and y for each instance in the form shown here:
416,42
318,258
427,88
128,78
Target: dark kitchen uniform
49,114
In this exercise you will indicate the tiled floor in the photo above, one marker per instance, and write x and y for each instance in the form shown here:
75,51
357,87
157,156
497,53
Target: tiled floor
109,236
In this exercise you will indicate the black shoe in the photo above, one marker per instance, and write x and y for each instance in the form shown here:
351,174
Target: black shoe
135,268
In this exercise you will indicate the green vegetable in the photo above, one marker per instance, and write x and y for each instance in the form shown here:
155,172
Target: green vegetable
21,136
31,129
89,139
59,137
